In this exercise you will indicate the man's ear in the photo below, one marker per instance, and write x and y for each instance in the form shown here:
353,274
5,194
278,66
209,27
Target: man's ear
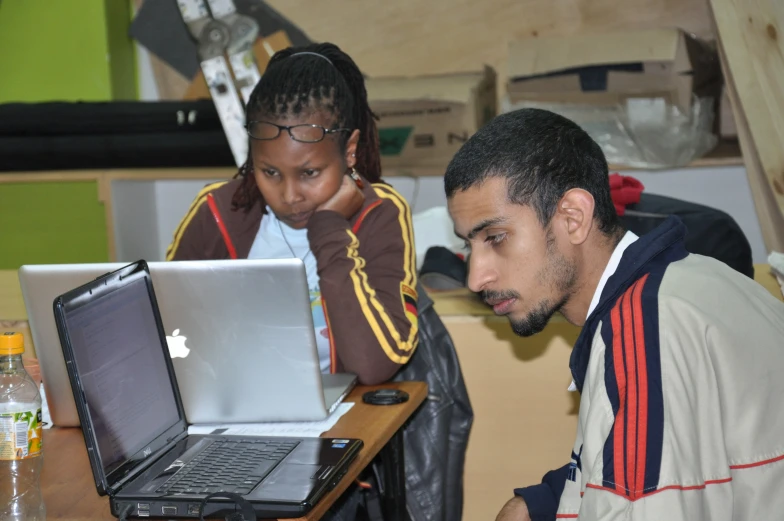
351,150
575,211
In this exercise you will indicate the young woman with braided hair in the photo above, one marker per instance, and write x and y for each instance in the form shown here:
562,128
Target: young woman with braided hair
311,189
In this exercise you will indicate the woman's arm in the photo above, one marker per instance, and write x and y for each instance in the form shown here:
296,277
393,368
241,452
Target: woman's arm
368,280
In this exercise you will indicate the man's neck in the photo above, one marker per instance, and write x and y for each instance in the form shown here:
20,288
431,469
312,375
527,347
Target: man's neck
595,260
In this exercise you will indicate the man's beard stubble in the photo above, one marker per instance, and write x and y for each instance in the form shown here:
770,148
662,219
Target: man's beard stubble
560,273
536,320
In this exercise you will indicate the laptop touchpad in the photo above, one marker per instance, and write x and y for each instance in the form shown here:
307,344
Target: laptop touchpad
288,483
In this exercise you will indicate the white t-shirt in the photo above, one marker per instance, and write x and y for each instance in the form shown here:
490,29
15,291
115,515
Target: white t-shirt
276,240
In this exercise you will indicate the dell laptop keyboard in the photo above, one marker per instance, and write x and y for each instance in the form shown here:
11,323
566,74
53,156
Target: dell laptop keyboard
228,466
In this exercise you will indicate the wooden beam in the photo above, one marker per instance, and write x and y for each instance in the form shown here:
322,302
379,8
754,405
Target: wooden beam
752,55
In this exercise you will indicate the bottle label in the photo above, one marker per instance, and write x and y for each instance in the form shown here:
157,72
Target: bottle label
20,435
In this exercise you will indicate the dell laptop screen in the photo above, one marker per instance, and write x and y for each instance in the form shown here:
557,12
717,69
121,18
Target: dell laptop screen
123,372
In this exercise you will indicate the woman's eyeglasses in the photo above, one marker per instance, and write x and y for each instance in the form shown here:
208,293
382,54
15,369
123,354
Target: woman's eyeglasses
264,130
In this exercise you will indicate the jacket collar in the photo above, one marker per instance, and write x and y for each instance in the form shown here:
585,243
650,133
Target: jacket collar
653,250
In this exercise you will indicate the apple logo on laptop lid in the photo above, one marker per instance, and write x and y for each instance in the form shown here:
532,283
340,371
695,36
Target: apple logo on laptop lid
176,343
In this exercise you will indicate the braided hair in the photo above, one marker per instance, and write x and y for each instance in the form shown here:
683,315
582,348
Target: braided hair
320,77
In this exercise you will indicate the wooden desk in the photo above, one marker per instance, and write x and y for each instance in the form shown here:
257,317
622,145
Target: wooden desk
69,489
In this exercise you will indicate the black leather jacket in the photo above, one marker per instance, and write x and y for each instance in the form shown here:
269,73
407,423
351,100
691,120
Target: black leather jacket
436,436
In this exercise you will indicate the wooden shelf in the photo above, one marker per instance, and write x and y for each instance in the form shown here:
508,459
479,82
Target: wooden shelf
726,153
101,175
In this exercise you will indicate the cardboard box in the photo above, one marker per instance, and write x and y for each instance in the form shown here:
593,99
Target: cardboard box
612,67
424,120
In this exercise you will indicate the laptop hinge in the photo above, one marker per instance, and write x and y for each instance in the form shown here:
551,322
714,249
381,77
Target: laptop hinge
149,461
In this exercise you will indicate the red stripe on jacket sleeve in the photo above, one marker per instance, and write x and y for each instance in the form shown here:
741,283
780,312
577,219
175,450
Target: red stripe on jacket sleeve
619,429
631,373
222,227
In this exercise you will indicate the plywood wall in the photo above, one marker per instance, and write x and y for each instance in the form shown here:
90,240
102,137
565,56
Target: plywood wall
421,37
412,37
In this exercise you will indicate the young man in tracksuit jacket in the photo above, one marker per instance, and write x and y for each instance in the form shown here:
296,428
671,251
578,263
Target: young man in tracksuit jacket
680,358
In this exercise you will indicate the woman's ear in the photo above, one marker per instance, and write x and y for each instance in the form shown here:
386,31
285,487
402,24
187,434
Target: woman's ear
351,149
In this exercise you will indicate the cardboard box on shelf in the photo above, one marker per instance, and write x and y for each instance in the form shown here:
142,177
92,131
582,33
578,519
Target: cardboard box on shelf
424,120
612,67
649,98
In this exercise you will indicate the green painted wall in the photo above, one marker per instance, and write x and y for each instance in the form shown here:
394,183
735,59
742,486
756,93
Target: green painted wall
66,50
122,67
60,50
51,222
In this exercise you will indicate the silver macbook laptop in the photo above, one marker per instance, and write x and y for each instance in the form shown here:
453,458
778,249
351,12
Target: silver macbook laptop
240,335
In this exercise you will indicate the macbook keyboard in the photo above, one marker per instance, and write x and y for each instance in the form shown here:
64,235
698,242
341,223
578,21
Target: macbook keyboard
228,466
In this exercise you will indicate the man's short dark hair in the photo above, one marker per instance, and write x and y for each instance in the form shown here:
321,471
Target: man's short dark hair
542,155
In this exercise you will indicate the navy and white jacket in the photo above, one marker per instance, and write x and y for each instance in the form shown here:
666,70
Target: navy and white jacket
681,372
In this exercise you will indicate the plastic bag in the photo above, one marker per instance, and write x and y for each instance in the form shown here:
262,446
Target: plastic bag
642,132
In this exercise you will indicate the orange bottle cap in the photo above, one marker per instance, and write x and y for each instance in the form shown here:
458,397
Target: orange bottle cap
11,343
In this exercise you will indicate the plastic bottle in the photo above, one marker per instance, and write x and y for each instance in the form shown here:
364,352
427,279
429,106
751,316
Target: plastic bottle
21,456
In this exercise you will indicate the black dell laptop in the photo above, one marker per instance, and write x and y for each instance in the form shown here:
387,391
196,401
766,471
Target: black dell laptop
134,424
